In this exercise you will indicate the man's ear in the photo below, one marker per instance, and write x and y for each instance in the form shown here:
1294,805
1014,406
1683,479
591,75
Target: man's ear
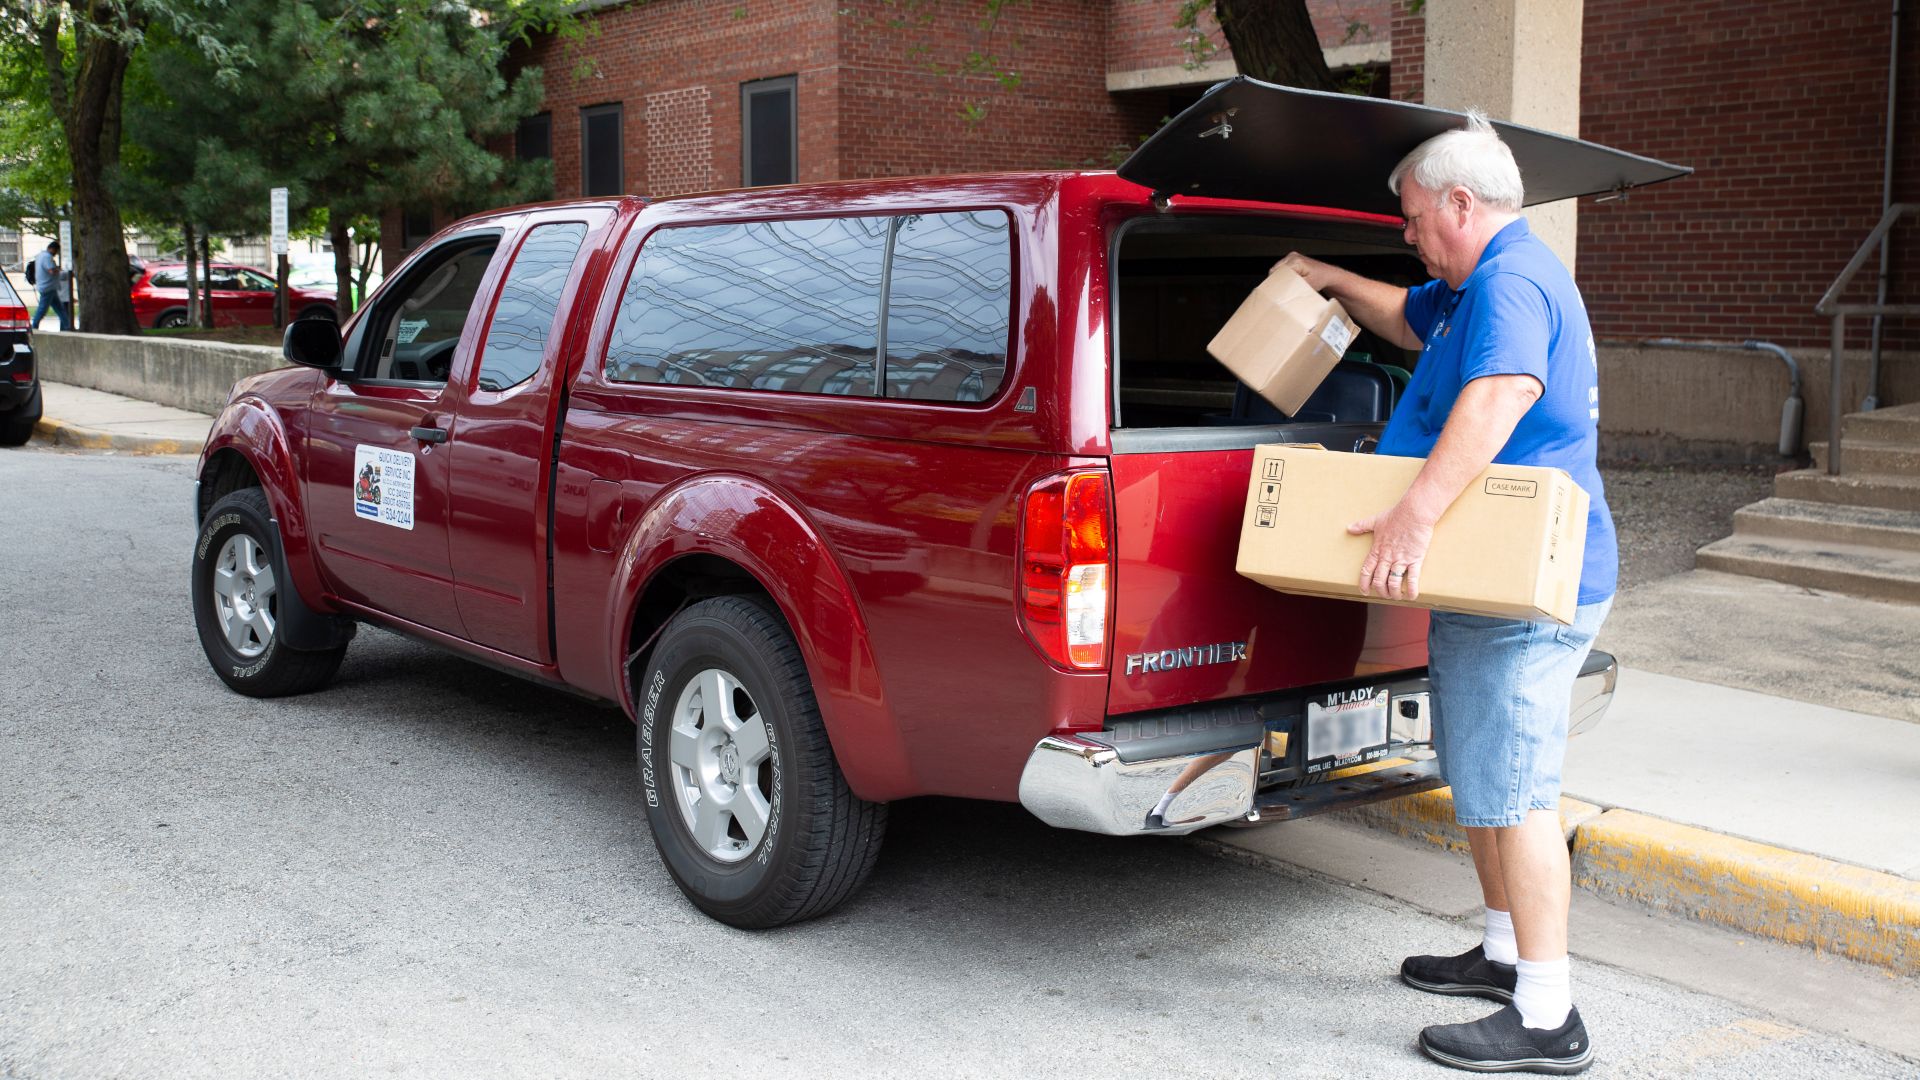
1460,199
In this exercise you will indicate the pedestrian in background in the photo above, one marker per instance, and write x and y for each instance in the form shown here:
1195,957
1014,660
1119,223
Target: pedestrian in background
50,279
1507,374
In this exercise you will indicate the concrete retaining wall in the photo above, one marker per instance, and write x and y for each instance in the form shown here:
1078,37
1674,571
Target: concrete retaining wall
184,374
1682,405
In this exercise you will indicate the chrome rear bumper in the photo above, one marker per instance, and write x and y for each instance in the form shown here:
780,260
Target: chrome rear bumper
1110,782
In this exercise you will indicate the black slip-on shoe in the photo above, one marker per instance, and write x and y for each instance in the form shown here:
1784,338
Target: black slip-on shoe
1470,974
1502,1043
1155,821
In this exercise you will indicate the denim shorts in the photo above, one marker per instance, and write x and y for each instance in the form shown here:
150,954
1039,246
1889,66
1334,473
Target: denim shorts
1501,691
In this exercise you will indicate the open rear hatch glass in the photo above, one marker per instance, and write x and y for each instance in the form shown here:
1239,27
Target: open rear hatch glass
1247,139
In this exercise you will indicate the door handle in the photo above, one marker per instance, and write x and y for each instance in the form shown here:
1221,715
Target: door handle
430,434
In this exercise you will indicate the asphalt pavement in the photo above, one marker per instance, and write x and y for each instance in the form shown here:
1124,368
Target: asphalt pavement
430,869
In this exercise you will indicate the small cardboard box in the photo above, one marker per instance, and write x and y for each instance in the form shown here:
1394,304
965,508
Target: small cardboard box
1283,339
1511,545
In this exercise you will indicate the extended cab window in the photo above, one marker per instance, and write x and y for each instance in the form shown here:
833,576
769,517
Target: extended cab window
822,306
421,318
523,317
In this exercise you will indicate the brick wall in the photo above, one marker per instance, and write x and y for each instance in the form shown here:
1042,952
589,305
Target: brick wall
1780,108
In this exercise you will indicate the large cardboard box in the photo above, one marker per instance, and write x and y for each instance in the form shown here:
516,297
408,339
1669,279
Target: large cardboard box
1511,545
1284,339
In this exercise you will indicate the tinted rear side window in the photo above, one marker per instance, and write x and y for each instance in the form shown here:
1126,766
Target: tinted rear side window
765,305
523,318
949,305
168,279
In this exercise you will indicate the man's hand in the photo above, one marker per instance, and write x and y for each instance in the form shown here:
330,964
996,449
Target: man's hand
1318,275
1400,539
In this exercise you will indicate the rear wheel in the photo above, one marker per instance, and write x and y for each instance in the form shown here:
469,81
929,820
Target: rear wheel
748,808
171,320
237,590
16,427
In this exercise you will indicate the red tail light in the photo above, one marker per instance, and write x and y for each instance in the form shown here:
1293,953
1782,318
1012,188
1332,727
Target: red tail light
1066,568
13,318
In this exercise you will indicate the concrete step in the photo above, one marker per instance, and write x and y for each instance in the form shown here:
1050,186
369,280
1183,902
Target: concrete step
1871,573
1853,489
1829,523
1871,456
1899,424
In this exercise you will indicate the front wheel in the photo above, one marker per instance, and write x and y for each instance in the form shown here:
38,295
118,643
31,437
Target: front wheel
237,590
748,808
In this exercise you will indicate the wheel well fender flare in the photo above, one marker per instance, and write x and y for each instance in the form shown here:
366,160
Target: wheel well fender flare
248,447
748,525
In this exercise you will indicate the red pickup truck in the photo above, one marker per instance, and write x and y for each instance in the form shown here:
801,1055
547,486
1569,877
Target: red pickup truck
848,493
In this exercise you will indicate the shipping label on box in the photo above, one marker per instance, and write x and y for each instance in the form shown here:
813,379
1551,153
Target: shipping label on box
1512,545
1284,339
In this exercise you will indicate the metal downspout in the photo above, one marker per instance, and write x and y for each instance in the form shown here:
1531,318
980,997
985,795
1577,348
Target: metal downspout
1886,199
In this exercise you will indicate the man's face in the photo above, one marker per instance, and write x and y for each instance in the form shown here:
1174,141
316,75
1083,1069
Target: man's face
1436,228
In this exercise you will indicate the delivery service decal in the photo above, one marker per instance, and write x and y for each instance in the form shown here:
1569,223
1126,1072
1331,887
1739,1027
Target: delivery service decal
383,486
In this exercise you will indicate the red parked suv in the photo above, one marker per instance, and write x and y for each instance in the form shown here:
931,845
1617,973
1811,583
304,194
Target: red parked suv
242,296
853,492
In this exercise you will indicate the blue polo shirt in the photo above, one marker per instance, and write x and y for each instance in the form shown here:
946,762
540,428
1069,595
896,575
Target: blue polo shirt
1518,313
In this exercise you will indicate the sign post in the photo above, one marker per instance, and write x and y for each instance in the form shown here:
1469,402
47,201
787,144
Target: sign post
67,259
278,213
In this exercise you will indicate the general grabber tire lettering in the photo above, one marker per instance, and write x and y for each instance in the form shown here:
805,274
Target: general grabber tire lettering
748,808
236,603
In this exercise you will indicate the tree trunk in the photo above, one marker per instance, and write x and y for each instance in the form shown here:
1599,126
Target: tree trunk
342,262
90,119
206,280
193,278
1274,40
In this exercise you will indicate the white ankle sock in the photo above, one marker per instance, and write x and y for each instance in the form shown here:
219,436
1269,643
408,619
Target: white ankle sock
1499,943
1165,801
1544,994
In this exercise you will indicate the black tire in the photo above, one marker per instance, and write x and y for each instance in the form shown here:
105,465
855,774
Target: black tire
320,311
171,320
16,427
238,535
819,841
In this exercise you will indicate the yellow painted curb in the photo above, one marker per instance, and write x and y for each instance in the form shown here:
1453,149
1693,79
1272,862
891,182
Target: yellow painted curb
61,433
1428,817
1785,895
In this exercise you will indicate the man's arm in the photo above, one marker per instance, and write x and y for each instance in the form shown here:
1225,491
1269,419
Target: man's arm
1376,305
1481,422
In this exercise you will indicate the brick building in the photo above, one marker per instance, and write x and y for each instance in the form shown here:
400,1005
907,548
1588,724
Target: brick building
1779,105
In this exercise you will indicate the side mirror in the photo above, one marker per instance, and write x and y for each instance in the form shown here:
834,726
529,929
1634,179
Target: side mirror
313,343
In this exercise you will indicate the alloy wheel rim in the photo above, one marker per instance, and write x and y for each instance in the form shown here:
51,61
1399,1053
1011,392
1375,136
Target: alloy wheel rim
721,766
243,593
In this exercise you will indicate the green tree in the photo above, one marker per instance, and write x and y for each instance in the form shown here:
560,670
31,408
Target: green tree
83,48
369,105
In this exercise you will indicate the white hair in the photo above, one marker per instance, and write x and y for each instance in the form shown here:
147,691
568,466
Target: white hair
1473,157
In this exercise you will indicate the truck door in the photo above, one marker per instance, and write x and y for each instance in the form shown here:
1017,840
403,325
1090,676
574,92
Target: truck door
503,433
376,456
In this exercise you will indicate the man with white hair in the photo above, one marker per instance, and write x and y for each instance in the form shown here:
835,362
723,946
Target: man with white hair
1508,374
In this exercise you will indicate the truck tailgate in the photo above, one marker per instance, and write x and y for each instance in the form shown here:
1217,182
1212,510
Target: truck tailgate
1187,628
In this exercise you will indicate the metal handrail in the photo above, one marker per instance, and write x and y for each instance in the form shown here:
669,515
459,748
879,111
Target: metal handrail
1830,306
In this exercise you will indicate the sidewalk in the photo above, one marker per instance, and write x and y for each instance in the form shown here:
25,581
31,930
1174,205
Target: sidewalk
1759,767
76,416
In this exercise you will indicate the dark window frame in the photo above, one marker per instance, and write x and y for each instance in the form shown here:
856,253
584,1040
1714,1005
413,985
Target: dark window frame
617,110
790,85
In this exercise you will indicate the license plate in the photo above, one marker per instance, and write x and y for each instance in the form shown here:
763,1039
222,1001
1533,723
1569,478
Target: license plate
1344,725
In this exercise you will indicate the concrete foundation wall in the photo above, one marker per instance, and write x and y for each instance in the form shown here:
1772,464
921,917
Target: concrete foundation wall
184,374
1682,405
